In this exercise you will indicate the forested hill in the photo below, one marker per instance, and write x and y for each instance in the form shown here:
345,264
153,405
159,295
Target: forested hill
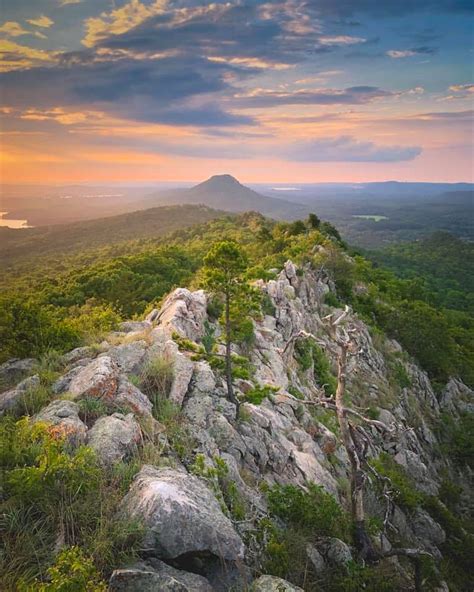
63,305
440,263
17,246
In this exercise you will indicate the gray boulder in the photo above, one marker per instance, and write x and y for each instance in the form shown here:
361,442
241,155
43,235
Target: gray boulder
181,516
273,584
132,398
134,326
184,312
9,400
335,551
78,354
65,416
98,379
128,356
15,369
114,437
156,576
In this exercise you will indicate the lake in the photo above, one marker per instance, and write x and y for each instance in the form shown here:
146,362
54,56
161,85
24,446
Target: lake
13,223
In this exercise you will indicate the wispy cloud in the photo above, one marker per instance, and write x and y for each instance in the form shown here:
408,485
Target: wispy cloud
348,149
13,29
42,21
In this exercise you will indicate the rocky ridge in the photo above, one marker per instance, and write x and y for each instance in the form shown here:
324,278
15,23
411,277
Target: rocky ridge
191,542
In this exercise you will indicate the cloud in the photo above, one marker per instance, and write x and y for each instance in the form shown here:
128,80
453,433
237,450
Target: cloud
407,53
13,29
469,88
340,40
348,149
42,21
355,95
14,56
67,2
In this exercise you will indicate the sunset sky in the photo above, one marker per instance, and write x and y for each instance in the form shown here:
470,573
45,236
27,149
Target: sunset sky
291,91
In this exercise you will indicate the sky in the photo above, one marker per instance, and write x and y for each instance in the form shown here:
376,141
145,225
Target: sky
286,91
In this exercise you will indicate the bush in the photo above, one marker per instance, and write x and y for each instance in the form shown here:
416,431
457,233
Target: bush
156,379
314,511
405,492
72,571
258,393
309,355
54,495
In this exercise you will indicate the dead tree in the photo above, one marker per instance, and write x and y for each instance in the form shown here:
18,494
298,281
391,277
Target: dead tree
355,439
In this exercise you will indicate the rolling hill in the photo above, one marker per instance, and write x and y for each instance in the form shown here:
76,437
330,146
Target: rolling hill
61,239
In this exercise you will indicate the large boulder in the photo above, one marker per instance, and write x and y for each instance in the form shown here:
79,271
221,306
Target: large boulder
80,353
10,400
128,356
184,312
156,576
98,379
273,584
130,397
114,437
134,326
64,415
181,516
15,369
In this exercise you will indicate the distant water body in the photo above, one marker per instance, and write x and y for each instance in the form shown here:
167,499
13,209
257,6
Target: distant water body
13,223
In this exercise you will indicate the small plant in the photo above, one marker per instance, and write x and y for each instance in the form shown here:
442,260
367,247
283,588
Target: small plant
224,488
257,395
330,299
185,344
72,571
295,392
268,308
406,494
91,408
208,339
314,511
156,378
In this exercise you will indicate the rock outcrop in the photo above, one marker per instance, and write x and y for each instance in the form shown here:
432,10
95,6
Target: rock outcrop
192,542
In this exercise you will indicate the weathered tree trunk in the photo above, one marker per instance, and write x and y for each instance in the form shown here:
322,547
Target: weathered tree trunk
228,356
361,538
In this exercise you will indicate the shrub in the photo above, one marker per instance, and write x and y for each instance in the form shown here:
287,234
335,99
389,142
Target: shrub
54,495
208,339
314,510
309,355
72,571
156,378
406,494
259,393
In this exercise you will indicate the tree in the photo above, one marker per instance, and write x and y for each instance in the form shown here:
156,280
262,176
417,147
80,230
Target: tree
223,272
313,221
356,440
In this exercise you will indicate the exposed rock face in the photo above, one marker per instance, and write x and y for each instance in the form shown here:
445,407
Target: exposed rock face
128,356
130,397
98,379
181,516
10,400
282,440
14,370
64,415
184,312
273,584
114,438
154,576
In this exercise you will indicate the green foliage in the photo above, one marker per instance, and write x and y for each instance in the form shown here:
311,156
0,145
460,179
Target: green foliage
332,300
71,572
405,493
156,379
217,474
457,438
208,339
257,394
313,511
267,306
309,355
185,344
49,490
91,408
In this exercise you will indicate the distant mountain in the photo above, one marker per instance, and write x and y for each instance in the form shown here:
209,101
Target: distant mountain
226,193
64,239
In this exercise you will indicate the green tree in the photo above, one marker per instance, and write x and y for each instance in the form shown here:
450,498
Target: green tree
223,275
313,221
